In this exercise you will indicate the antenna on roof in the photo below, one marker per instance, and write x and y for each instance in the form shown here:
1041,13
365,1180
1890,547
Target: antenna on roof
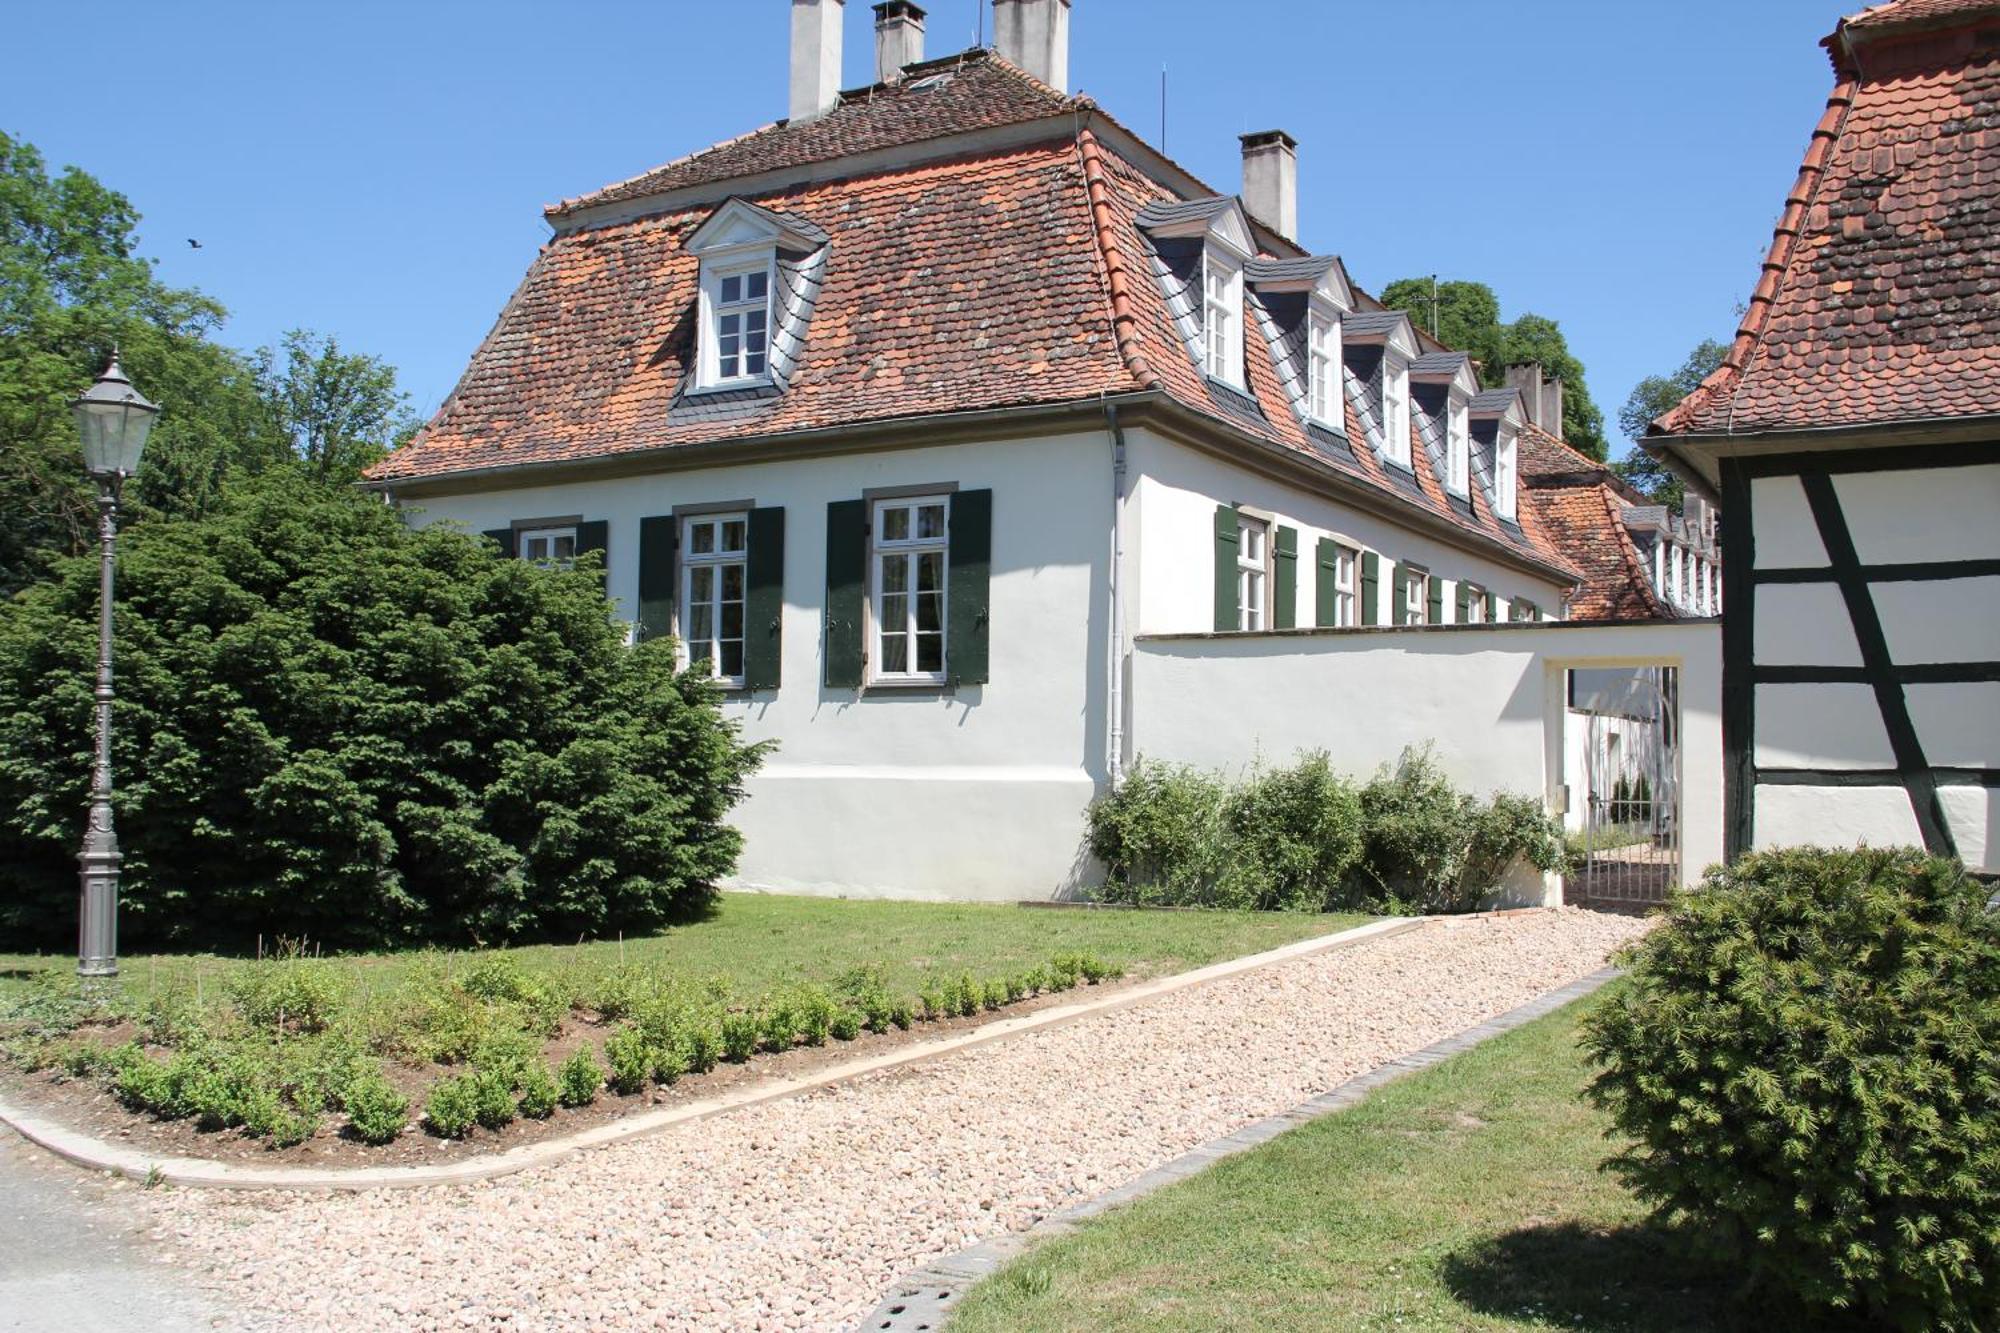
1433,301
1163,106
978,24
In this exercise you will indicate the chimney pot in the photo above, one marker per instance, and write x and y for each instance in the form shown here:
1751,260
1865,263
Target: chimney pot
1540,396
899,39
1271,180
1034,34
815,57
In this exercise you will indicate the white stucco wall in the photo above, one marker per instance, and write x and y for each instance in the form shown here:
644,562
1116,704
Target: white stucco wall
1173,494
1897,516
978,794
1491,701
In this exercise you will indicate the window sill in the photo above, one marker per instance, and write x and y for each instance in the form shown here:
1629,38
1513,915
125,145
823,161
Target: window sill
732,386
930,689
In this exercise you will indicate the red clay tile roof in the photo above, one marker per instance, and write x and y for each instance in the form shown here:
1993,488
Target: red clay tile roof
1880,299
1581,505
1012,277
971,91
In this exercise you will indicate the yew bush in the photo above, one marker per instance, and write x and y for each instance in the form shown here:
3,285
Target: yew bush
1807,1059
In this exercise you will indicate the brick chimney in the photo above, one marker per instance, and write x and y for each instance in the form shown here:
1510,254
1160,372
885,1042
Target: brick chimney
1541,398
1034,34
899,39
815,57
1271,180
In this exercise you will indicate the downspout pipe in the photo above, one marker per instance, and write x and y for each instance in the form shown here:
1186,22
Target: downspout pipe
1115,740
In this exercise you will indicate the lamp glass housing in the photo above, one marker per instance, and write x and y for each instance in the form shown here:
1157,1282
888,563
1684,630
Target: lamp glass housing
112,420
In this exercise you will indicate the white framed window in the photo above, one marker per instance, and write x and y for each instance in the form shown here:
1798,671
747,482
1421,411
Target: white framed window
907,596
1396,409
1416,596
1345,558
1253,572
1458,446
551,548
714,576
743,324
1506,475
1323,389
1222,318
1475,604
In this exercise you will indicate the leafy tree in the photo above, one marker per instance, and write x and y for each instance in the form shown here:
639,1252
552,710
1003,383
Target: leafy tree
1651,398
333,726
341,411
1468,318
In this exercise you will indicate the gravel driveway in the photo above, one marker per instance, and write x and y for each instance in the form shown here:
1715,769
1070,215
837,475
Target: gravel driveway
798,1214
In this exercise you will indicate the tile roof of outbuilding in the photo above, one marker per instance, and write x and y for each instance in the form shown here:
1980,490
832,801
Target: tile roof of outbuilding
1581,504
1880,298
1008,277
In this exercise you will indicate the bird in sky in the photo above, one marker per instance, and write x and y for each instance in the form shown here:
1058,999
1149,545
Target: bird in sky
193,244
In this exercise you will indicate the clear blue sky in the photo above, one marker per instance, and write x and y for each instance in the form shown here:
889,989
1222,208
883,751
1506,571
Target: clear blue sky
377,170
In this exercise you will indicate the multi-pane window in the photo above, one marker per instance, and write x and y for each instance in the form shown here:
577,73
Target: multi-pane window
1416,597
1253,568
742,324
1458,448
909,588
714,548
1323,370
1344,561
551,548
1222,321
1504,477
1396,411
1522,610
1474,602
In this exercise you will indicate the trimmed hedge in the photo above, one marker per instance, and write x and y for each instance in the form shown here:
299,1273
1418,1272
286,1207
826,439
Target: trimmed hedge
1807,1057
332,725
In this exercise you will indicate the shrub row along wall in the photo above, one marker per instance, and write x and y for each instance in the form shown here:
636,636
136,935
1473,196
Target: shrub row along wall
1489,699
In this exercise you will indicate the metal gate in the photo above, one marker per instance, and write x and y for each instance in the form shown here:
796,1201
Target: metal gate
1631,834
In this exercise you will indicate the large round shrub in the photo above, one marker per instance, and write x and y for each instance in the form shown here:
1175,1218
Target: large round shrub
1807,1057
333,726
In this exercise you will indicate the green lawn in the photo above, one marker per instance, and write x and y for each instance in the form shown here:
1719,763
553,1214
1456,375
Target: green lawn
1464,1197
757,941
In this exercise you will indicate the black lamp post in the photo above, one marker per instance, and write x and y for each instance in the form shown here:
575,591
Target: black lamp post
112,418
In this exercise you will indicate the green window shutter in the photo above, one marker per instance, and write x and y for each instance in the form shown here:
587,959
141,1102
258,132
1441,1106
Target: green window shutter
1399,598
1436,586
658,537
1285,579
1492,608
1464,602
1326,560
1228,535
1371,586
595,536
505,538
846,590
764,599
968,588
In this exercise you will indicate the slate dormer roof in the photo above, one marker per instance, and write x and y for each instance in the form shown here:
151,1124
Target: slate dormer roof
1877,303
977,274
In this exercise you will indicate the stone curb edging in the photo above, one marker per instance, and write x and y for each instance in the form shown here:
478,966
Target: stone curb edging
201,1173
922,1301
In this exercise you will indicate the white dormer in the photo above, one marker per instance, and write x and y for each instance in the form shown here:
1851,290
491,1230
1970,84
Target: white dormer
1304,301
1500,411
1390,331
1453,370
1213,237
742,304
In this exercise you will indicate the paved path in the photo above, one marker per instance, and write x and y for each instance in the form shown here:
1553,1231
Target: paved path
800,1214
73,1256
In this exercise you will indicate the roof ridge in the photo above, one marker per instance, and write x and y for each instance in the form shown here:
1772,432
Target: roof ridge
1777,261
1124,321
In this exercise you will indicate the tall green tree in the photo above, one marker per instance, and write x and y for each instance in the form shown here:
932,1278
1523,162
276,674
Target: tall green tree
1649,399
340,410
1468,318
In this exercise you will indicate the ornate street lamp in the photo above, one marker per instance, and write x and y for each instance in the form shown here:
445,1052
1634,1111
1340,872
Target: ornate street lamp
112,418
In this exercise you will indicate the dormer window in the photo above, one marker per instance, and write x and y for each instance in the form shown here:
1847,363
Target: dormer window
1458,447
1323,370
1396,408
760,273
1222,318
1497,418
1506,475
742,307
